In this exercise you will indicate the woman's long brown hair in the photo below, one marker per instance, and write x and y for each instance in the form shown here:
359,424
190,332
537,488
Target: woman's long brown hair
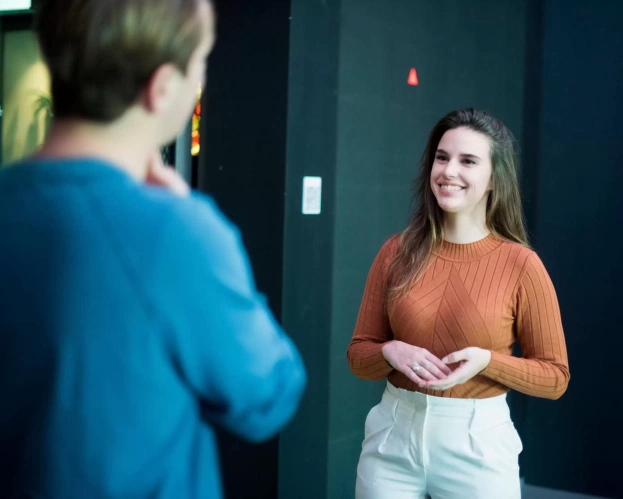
425,232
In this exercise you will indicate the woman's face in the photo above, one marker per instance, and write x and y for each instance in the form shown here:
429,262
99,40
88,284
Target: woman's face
461,174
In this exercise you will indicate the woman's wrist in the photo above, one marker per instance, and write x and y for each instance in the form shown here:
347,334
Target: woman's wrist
487,355
385,350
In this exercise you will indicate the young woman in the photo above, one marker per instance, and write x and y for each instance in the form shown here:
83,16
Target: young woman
444,304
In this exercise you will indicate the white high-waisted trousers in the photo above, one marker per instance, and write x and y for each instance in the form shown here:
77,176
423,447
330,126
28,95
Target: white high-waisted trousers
418,446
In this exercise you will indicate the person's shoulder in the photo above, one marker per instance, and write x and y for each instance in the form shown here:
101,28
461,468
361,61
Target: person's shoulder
389,250
149,221
193,232
516,248
523,256
196,216
392,245
195,208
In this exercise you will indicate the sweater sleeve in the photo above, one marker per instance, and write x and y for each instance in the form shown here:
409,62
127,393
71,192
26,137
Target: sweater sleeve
244,370
365,354
544,369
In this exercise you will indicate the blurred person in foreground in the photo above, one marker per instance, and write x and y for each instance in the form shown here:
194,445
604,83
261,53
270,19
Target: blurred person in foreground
129,319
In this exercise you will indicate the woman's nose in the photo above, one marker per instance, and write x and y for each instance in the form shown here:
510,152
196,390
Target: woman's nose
451,170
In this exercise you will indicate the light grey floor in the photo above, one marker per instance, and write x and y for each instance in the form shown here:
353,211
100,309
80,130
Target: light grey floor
531,492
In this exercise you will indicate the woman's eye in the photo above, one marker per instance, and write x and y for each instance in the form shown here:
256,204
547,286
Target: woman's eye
440,157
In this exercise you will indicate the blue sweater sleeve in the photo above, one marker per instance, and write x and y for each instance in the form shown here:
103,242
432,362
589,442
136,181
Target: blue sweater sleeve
246,372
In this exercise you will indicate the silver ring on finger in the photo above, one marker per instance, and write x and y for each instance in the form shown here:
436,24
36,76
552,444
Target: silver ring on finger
417,367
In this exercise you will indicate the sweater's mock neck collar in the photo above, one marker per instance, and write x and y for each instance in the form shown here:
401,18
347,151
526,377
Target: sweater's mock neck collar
471,251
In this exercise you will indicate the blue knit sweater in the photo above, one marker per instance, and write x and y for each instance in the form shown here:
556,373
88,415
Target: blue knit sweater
129,324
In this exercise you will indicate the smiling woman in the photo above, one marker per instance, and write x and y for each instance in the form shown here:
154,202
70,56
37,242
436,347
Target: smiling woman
444,304
461,180
483,146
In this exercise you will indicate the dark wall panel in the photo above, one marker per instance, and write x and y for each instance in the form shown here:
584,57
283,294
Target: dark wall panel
574,444
307,288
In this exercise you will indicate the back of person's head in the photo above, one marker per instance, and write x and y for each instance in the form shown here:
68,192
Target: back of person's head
102,53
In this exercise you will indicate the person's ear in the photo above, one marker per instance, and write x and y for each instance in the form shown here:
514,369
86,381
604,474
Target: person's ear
160,91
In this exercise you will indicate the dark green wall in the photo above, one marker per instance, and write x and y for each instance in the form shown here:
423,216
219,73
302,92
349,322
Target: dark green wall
308,241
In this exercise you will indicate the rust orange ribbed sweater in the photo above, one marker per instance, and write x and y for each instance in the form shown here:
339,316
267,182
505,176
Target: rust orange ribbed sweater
486,294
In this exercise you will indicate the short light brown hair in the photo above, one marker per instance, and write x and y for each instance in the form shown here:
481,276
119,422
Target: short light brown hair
101,53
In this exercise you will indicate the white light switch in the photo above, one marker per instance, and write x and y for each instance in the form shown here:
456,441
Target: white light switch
312,195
